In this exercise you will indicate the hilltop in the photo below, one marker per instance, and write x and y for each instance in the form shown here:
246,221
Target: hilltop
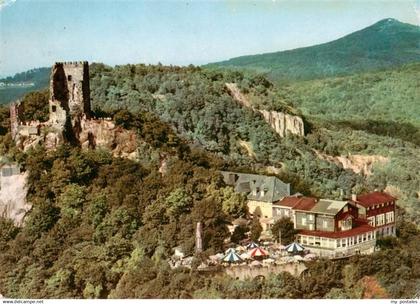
387,43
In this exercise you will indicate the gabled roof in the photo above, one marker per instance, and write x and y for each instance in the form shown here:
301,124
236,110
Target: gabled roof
257,187
297,202
374,198
329,206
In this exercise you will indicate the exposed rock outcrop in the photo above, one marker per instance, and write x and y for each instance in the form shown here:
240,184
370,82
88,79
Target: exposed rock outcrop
281,122
361,164
13,203
284,123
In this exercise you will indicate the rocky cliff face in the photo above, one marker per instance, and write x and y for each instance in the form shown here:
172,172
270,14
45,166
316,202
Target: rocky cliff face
282,123
361,164
13,203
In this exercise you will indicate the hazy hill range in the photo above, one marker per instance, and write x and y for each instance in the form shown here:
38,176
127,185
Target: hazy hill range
385,44
12,88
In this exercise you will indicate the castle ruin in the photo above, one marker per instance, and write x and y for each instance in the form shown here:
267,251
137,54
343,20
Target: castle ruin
70,117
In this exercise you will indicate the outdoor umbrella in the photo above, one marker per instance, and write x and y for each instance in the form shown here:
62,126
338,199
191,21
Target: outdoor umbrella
268,261
258,252
252,245
229,250
294,248
232,257
287,259
298,258
310,256
256,264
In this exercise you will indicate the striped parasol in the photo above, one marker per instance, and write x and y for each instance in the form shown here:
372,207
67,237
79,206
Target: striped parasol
232,257
229,250
258,252
294,248
252,245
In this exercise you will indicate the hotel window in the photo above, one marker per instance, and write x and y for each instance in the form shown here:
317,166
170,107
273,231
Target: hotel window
380,219
389,217
325,224
304,221
371,221
311,217
338,242
311,240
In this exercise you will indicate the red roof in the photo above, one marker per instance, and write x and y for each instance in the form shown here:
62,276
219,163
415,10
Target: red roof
298,202
374,198
362,227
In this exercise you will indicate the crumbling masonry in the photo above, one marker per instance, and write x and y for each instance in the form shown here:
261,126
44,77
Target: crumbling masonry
70,117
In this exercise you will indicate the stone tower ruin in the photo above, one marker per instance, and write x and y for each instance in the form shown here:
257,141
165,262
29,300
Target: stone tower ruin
70,117
70,96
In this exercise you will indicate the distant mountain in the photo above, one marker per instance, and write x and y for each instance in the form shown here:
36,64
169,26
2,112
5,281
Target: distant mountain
13,88
384,44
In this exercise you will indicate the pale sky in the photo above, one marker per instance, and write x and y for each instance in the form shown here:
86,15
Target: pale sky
35,33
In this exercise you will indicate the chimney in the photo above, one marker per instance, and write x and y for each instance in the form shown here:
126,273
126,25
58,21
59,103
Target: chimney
354,197
198,238
341,193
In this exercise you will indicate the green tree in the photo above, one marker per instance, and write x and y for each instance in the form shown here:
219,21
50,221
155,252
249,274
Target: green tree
178,202
285,227
234,204
256,229
239,233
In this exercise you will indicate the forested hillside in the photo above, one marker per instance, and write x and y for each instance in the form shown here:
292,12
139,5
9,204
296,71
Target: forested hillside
388,96
196,103
385,44
104,227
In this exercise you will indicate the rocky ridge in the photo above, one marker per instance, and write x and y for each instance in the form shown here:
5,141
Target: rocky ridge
282,123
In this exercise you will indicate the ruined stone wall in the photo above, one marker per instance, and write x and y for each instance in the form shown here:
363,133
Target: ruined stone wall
15,117
247,272
70,117
103,133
